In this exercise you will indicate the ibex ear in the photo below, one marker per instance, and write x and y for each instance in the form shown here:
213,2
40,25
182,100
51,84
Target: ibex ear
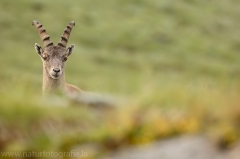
38,49
70,50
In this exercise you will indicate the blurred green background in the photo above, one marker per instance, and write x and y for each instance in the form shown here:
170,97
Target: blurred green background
176,61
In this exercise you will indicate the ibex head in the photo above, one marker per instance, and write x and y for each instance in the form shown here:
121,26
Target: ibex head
54,57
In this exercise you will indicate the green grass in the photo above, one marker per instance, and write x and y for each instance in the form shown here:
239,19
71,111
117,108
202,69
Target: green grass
176,61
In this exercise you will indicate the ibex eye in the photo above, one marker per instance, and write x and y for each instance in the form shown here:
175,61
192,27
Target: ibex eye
65,59
45,58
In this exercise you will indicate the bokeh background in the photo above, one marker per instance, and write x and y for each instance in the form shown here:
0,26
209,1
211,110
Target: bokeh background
177,62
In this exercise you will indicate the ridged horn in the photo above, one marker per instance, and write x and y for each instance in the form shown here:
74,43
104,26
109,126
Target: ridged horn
66,34
43,34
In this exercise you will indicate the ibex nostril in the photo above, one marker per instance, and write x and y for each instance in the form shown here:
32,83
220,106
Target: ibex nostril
56,70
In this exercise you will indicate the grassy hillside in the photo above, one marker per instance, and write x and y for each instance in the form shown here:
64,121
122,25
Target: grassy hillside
176,61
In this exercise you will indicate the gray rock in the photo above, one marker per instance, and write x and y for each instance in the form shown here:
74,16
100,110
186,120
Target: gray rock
187,147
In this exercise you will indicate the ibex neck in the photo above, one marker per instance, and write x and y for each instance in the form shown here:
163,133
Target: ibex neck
51,85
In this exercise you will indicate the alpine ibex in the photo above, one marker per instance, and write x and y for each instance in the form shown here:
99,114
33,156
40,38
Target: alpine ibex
54,59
